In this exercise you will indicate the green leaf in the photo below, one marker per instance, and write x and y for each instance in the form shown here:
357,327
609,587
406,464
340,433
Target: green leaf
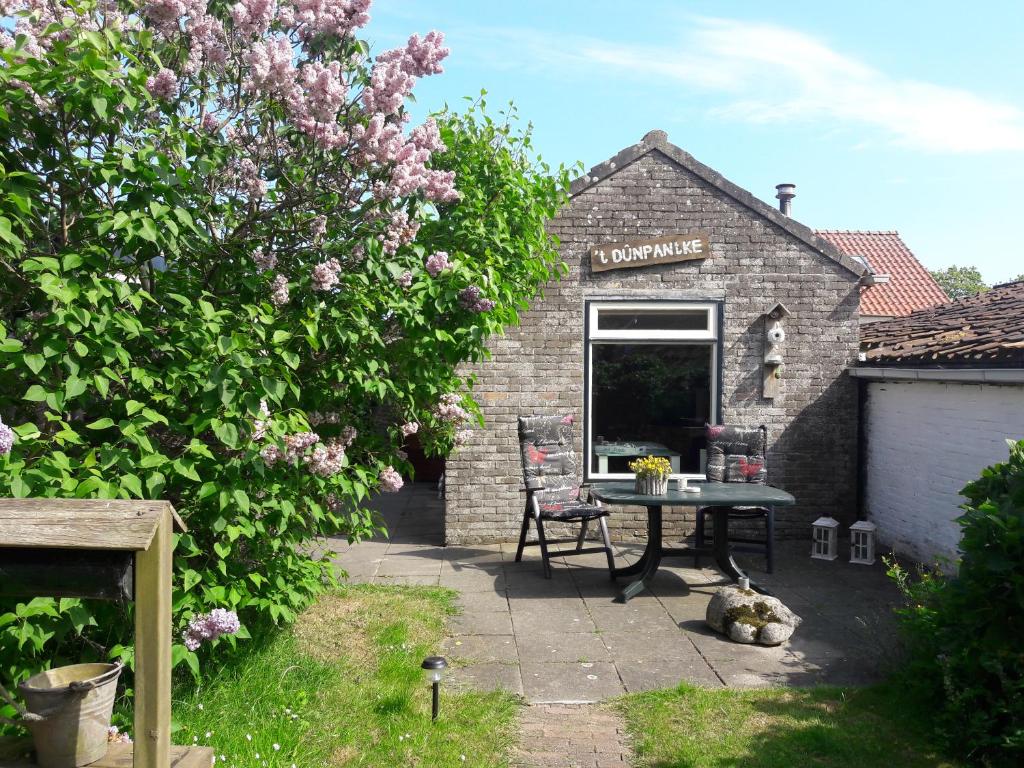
100,105
35,394
34,362
227,433
241,498
105,423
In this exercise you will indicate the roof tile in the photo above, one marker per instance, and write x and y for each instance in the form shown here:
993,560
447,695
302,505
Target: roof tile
910,287
985,329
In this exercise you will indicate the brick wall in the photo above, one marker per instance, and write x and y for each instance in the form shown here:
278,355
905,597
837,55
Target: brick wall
924,442
538,367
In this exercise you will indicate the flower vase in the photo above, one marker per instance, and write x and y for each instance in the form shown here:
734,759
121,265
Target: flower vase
651,485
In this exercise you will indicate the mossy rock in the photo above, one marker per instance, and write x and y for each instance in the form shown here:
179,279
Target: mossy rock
745,616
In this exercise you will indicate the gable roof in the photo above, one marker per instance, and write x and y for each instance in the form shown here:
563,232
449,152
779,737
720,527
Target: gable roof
986,329
658,141
910,287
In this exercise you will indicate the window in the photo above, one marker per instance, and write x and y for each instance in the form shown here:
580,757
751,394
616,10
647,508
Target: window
652,381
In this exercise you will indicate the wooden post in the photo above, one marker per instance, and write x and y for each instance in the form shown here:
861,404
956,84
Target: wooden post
153,649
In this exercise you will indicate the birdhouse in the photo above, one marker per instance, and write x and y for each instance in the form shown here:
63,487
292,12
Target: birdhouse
862,542
825,539
774,340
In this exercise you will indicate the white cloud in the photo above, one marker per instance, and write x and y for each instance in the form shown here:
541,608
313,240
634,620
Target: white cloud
764,73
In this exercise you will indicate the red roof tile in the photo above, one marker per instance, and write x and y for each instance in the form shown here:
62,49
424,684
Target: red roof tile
910,286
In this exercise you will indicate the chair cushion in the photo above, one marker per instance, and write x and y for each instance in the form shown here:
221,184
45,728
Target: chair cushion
570,510
549,462
737,454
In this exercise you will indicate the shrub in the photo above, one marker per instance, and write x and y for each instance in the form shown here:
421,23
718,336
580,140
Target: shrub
213,292
965,631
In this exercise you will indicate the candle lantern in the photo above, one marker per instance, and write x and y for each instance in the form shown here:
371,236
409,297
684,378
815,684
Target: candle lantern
825,538
862,542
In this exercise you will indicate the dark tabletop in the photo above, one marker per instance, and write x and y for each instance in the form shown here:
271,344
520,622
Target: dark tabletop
711,495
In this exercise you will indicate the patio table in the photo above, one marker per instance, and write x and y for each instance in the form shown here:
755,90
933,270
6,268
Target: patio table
718,498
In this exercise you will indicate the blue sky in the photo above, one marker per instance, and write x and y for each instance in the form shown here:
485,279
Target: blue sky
906,114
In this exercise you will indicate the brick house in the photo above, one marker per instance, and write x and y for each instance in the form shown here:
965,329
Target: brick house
943,389
647,355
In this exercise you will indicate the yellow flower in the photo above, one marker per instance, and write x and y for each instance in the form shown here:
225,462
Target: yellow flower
651,466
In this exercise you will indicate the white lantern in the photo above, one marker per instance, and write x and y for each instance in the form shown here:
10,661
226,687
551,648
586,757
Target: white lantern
825,539
862,542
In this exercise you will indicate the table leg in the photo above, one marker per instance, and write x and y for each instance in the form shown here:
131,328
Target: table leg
648,563
723,557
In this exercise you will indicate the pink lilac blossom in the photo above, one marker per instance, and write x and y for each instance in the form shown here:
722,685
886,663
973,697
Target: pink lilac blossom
264,261
253,17
279,291
469,298
7,438
210,123
404,279
328,17
316,418
437,263
210,626
249,180
410,428
271,454
400,230
163,85
326,275
395,71
348,435
296,445
326,460
463,436
449,408
259,425
318,227
390,480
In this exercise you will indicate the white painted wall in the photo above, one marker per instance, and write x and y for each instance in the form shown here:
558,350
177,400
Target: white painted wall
925,441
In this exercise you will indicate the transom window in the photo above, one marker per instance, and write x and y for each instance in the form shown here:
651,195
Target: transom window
652,381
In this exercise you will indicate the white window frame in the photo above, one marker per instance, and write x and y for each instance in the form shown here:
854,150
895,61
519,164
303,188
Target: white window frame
704,338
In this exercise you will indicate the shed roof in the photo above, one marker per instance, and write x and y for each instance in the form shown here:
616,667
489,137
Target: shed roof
984,330
82,523
658,141
910,287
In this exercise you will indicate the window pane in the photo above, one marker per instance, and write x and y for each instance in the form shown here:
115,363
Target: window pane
652,320
649,399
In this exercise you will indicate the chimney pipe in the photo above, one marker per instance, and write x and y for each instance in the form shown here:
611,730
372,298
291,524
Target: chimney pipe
785,194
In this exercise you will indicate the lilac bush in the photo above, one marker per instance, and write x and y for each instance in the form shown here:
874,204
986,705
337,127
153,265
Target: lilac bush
234,274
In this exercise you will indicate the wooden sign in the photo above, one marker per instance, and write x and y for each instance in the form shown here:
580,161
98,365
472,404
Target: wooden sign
646,253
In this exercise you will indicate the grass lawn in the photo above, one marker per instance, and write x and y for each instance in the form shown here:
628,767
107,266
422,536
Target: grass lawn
345,688
691,727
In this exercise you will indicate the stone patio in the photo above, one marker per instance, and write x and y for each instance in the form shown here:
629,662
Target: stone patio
565,640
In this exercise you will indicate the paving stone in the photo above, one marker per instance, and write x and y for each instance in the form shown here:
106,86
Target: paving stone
473,580
399,566
649,617
570,681
653,673
563,646
630,646
487,600
482,623
418,580
488,676
482,648
570,619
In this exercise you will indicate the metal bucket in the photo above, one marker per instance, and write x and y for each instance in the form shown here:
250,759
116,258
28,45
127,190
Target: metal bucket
72,707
